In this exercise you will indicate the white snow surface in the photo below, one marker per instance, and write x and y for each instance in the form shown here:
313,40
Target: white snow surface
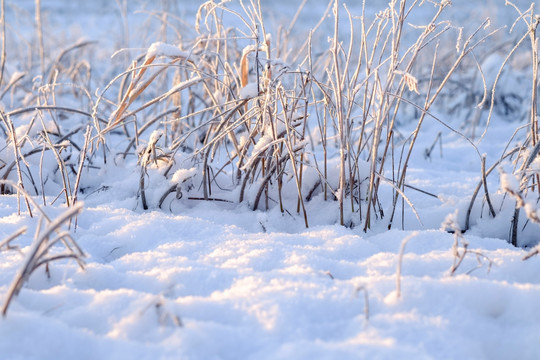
205,280
241,293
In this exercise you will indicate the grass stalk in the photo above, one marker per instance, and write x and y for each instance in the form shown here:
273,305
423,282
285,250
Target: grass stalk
3,51
18,157
39,30
39,253
400,262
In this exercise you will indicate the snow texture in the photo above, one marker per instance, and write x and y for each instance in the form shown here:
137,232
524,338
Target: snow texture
240,293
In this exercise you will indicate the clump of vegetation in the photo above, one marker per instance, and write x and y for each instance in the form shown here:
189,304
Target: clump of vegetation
261,123
521,181
230,113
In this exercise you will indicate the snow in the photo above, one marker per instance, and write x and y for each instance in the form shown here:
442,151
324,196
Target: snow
509,182
181,175
212,280
163,49
242,293
249,48
249,91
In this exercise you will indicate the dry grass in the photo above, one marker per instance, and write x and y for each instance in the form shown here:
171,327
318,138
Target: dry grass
255,119
265,121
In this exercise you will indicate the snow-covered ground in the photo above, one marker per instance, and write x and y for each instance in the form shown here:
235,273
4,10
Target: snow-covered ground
210,280
241,293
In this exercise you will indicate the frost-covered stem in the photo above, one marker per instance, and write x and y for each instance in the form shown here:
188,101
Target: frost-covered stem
479,185
3,54
60,161
272,115
42,157
351,103
300,199
281,162
81,165
50,107
372,194
37,254
373,165
396,62
16,152
291,151
339,114
515,221
352,92
534,92
43,214
484,182
142,190
467,48
385,105
133,142
123,9
325,150
458,258
322,127
397,27
205,174
302,156
313,30
366,300
497,78
39,27
400,262
415,51
12,237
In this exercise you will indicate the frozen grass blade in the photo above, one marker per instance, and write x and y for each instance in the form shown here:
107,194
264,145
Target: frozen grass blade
38,253
400,262
363,289
10,238
18,157
3,51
